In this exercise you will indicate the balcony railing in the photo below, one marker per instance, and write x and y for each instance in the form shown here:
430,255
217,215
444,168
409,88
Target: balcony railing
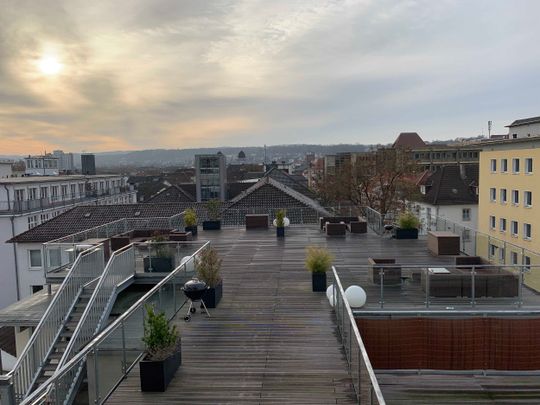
362,374
40,204
118,348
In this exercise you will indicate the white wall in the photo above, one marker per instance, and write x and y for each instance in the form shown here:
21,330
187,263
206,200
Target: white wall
523,131
8,291
453,213
28,276
5,170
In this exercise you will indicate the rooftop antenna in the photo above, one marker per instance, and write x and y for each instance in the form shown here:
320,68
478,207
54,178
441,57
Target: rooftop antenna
489,129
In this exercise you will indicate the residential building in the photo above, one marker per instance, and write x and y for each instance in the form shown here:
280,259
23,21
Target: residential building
88,164
26,202
42,165
210,177
450,192
508,193
5,168
65,161
524,128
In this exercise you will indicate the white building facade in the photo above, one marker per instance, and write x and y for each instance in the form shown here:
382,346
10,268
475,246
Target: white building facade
26,202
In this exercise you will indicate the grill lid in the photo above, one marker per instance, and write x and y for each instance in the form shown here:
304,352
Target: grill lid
195,285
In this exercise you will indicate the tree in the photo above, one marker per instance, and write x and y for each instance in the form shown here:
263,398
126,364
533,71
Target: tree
383,180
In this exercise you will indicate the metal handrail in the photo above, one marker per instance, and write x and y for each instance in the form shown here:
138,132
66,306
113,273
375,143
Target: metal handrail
346,311
121,266
40,394
36,351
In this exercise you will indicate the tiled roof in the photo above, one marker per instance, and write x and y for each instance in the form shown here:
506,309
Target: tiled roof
234,189
452,185
172,194
524,121
408,140
84,217
289,181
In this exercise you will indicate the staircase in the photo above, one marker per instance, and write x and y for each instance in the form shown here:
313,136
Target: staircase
58,349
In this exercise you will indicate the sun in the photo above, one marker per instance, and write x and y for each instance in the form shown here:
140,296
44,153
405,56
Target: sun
49,65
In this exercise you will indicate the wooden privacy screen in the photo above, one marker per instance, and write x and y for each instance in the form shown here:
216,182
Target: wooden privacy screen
452,344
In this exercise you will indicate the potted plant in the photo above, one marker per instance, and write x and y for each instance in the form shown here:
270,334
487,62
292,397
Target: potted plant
318,261
280,223
213,223
159,259
190,219
163,352
407,227
208,266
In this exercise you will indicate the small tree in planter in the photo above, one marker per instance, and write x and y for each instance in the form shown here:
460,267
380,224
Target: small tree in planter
159,259
163,352
190,219
318,261
208,266
408,225
280,223
213,207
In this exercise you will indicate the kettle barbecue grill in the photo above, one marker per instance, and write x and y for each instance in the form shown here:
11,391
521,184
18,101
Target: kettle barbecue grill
194,291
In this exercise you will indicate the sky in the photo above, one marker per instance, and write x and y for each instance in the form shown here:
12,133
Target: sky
101,75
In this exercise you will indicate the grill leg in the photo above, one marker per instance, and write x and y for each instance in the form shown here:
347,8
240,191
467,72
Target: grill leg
205,309
190,306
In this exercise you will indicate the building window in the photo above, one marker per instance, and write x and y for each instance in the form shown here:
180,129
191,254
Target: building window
32,221
73,190
515,197
492,250
43,192
504,165
35,257
64,190
514,228
466,235
502,224
492,222
32,193
493,165
527,263
466,214
44,217
502,254
19,195
54,192
503,196
527,199
527,231
515,165
528,165
493,194
514,257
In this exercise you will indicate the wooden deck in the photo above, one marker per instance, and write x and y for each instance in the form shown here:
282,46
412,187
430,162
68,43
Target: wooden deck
272,340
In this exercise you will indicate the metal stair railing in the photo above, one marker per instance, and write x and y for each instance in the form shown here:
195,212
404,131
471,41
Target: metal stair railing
88,266
119,269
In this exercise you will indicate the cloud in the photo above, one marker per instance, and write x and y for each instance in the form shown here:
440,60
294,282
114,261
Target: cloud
165,73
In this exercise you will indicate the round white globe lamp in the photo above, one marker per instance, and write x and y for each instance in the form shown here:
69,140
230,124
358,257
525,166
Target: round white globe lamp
356,296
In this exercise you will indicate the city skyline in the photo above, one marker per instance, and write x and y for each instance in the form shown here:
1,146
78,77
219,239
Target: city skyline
167,74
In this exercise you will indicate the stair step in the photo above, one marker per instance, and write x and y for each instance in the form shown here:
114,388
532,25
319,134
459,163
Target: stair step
66,333
56,356
50,367
60,345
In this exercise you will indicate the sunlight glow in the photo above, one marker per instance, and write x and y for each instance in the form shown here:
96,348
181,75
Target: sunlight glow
49,65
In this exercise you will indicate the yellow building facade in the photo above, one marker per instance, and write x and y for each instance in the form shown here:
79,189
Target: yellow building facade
509,205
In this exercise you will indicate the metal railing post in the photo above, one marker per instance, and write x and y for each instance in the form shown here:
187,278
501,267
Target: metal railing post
96,376
520,288
473,288
381,280
427,287
124,361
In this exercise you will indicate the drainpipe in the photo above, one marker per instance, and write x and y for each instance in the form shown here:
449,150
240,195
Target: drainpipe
14,247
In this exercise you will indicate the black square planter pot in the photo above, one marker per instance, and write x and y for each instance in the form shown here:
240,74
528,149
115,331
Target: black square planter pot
212,296
280,232
156,375
192,229
159,264
318,282
211,225
406,233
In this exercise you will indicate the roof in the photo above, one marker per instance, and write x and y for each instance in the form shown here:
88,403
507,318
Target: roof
452,185
172,194
289,181
408,140
524,121
43,179
85,217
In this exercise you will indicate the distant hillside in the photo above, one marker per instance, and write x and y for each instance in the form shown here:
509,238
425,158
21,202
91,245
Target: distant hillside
169,157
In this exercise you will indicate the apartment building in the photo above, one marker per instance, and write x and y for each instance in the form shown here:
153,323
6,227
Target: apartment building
210,177
26,202
508,194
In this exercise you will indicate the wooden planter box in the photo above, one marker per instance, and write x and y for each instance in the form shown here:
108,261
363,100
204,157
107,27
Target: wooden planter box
256,221
156,375
180,236
392,274
211,225
212,296
318,282
443,243
280,231
192,229
406,233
